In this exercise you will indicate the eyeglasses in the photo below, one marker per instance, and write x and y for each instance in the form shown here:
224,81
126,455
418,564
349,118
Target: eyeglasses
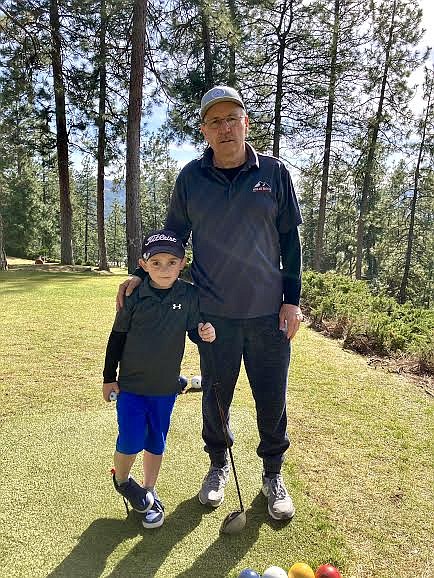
217,123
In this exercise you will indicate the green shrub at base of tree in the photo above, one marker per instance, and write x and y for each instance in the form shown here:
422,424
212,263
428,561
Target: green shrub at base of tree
368,323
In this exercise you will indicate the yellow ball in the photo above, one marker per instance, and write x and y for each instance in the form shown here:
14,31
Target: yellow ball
301,570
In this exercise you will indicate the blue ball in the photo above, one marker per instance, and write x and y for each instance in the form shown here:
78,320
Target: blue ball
183,382
248,573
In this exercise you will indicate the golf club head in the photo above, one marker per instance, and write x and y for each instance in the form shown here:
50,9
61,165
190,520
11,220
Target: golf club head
234,522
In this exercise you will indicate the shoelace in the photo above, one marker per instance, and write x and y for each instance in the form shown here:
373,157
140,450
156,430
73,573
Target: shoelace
215,477
278,487
158,506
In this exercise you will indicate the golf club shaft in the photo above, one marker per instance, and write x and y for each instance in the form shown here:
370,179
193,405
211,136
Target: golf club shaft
216,383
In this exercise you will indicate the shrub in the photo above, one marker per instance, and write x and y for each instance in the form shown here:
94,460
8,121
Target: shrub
374,324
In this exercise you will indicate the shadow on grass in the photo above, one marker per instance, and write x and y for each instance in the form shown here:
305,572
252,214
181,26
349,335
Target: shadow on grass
101,538
88,559
226,551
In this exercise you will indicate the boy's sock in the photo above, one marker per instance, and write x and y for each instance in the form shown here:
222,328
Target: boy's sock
119,481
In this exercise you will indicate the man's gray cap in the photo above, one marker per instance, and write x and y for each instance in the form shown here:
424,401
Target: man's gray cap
219,94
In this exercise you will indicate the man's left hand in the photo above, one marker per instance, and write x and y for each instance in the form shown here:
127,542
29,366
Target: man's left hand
290,317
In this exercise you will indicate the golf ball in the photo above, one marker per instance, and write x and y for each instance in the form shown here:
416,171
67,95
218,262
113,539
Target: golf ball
301,570
274,572
196,382
113,396
248,573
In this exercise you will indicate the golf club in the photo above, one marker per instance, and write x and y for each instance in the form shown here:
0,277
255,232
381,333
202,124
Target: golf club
235,521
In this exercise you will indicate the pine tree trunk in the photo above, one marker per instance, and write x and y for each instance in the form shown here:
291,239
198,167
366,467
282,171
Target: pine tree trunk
206,42
86,221
319,240
66,254
132,185
282,35
278,99
369,165
3,259
232,77
103,265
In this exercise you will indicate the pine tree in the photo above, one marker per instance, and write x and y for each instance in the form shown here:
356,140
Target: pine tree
85,215
115,235
397,31
159,173
132,180
66,253
426,128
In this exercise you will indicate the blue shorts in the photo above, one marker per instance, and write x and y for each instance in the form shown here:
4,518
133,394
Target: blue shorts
143,422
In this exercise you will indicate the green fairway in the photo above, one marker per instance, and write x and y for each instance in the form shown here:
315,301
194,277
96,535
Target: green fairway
360,469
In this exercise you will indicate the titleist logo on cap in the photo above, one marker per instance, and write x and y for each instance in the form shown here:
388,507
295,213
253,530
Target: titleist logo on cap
160,237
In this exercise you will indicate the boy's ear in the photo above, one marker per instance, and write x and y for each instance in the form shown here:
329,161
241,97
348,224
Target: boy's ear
142,264
183,263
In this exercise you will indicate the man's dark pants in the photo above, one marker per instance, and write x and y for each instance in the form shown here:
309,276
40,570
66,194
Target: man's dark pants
266,352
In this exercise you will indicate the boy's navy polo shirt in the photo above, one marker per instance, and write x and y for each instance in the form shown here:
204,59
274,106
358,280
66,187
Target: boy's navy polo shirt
156,328
235,228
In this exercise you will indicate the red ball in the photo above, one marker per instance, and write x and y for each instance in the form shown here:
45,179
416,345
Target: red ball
327,571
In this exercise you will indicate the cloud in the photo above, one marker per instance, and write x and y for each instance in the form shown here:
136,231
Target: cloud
184,147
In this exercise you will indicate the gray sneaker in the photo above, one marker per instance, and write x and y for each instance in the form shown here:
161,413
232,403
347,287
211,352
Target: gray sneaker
212,491
280,506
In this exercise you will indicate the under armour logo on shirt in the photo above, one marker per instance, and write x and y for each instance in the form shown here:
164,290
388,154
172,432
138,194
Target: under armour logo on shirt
174,306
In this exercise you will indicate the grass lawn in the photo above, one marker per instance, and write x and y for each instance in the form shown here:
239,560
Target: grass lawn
360,468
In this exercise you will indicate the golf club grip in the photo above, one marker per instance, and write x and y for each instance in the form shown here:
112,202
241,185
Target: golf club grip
215,384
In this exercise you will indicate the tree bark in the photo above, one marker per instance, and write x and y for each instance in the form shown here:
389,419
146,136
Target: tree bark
282,35
3,259
66,253
103,265
132,185
86,221
278,99
369,165
207,54
232,77
319,240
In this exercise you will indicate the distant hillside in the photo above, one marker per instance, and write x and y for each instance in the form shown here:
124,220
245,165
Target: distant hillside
113,193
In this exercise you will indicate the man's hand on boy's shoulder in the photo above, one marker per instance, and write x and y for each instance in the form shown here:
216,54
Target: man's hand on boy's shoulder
206,332
107,388
125,290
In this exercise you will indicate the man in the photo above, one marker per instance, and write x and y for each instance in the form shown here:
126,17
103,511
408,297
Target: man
241,209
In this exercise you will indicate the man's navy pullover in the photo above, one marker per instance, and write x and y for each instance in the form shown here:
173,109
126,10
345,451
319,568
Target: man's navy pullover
241,229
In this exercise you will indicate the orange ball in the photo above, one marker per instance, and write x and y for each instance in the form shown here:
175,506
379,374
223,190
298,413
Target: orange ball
301,570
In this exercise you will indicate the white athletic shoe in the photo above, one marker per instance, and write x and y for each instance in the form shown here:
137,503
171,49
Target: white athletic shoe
212,491
280,506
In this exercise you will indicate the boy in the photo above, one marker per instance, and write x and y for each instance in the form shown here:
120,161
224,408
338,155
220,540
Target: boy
147,341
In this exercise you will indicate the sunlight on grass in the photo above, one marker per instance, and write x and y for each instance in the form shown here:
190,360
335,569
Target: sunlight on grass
360,468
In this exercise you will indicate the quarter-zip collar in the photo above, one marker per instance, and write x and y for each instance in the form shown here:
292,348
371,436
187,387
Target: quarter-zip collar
252,158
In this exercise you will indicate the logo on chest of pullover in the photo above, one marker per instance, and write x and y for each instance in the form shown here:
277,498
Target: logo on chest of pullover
262,187
175,306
